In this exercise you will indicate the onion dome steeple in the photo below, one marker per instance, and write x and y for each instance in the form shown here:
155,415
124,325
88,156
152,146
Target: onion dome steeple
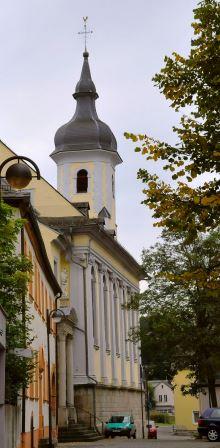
85,84
85,131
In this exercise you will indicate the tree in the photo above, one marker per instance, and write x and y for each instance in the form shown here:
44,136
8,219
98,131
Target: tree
155,354
181,306
150,399
192,83
15,271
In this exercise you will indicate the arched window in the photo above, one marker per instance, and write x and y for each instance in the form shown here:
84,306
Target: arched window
116,319
106,313
82,181
94,310
113,186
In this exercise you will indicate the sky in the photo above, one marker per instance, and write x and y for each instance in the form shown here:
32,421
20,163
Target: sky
41,60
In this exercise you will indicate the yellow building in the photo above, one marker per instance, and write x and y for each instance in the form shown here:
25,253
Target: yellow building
186,407
28,424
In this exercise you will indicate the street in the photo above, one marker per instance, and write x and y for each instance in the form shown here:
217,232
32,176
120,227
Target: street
166,439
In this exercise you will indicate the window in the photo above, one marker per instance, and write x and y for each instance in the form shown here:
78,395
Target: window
113,186
195,417
106,314
94,313
82,181
160,398
215,413
165,398
115,298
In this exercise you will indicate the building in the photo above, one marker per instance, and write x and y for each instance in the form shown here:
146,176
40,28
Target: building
164,397
186,406
98,365
27,424
103,275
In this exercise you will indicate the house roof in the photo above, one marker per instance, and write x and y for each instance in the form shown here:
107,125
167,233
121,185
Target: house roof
156,383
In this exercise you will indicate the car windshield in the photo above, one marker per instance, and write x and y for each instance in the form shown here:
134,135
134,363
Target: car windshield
151,422
119,419
207,412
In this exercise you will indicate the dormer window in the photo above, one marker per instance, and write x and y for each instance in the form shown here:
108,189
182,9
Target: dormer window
82,181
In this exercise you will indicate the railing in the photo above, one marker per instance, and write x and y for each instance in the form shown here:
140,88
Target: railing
94,422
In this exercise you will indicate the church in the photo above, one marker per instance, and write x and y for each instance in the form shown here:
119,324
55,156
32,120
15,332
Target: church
103,275
98,365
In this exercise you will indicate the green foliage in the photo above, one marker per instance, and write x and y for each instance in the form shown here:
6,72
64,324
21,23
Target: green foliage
191,83
180,308
162,418
15,270
150,401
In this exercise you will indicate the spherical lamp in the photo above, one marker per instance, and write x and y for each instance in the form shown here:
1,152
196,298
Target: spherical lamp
18,175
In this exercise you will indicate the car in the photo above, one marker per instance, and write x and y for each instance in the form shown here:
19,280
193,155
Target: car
120,425
209,424
152,430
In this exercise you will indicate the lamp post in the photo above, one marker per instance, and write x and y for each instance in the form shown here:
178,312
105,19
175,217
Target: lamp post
142,404
19,174
56,315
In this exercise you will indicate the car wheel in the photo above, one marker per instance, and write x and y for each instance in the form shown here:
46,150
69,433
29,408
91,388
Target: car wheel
129,435
134,435
112,436
212,435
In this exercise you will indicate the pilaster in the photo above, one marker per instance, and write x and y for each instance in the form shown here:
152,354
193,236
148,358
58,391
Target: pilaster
102,327
122,335
112,323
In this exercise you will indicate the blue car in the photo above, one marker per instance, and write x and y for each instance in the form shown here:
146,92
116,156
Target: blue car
120,425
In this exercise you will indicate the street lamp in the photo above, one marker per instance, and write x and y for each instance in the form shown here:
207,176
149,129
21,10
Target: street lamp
19,174
56,315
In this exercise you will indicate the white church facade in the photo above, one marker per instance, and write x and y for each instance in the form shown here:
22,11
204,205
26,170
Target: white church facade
103,275
98,365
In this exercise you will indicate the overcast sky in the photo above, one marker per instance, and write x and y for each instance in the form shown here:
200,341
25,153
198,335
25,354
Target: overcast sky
41,60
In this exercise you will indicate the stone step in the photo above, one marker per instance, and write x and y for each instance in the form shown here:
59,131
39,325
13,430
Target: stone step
72,438
77,432
73,428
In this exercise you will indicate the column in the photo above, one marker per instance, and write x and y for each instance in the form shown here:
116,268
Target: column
62,409
112,320
122,334
69,371
102,326
90,339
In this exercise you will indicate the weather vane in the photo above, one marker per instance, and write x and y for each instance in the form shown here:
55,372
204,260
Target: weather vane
85,32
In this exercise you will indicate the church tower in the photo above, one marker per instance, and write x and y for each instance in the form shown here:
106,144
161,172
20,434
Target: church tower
86,155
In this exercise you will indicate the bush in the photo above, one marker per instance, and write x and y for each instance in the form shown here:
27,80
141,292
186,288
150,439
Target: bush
162,418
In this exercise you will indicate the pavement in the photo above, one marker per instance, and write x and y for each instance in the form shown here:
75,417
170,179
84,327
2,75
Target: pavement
166,439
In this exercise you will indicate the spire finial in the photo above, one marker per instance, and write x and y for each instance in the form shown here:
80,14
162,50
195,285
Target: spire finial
86,33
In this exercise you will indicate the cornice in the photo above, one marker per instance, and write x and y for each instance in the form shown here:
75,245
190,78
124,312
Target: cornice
95,228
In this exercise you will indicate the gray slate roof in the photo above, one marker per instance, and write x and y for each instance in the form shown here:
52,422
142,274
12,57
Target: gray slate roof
85,131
